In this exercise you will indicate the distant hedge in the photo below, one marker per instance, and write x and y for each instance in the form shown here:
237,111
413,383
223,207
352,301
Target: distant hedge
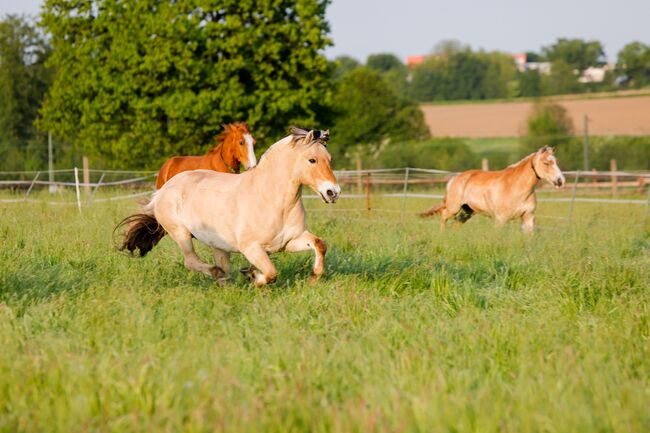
631,153
440,153
454,154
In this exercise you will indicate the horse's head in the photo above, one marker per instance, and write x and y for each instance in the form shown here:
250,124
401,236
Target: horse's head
545,166
238,144
313,163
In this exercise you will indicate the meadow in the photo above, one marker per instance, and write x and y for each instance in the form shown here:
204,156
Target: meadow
471,330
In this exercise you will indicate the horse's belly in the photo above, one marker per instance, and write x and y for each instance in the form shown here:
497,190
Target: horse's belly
213,239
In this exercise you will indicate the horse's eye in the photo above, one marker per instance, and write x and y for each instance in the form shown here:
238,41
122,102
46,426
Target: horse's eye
241,143
313,161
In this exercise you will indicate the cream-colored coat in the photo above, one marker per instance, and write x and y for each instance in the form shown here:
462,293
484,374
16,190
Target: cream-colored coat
256,213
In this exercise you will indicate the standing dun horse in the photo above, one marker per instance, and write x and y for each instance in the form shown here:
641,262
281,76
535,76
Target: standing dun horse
235,148
255,213
504,194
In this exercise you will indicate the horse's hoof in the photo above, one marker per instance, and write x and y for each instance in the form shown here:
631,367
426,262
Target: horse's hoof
314,278
217,273
248,272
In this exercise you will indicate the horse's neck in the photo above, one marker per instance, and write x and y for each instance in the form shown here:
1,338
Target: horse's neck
218,157
524,174
274,174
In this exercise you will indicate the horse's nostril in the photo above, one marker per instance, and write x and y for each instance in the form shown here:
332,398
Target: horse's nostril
330,193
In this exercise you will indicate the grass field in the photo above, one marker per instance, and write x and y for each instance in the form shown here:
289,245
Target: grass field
475,329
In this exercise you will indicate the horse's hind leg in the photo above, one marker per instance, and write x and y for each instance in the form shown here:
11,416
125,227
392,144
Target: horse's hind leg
307,241
192,261
222,260
445,214
265,272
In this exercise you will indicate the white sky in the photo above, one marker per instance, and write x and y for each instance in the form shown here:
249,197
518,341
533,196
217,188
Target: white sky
362,27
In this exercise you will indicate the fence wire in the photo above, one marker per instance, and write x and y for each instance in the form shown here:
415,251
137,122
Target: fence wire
361,187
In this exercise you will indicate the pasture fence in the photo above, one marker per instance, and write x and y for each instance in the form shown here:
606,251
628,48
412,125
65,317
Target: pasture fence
361,187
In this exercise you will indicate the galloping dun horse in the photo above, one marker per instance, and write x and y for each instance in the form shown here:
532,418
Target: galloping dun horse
504,194
235,148
256,213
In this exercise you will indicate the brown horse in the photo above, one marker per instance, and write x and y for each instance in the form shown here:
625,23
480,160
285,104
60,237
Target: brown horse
504,194
235,148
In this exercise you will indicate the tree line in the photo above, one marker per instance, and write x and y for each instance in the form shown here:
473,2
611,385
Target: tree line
454,71
130,83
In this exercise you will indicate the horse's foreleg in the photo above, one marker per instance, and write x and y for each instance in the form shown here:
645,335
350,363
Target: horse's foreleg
192,261
265,272
307,241
528,222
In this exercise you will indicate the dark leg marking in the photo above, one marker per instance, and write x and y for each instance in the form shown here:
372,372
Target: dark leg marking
464,214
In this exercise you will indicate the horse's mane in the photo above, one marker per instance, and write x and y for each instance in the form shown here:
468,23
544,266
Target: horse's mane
296,134
319,136
528,157
521,161
228,129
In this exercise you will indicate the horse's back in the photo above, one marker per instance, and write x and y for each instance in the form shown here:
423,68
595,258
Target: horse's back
176,165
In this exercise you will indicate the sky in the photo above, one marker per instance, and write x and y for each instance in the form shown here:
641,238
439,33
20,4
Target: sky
405,27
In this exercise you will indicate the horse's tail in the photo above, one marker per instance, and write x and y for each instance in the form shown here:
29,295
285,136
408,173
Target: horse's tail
142,233
432,211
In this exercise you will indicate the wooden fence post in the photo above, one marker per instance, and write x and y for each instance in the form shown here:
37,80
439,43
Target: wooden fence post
76,187
485,166
86,168
614,168
359,168
368,192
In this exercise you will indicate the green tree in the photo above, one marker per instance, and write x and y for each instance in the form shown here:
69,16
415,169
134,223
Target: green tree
429,80
634,61
563,79
500,73
342,65
384,62
370,113
530,83
447,47
23,81
548,124
465,76
392,69
462,74
576,53
532,56
139,80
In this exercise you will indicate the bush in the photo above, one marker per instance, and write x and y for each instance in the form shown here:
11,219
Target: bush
441,153
631,153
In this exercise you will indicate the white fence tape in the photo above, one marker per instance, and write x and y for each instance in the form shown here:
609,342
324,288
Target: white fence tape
399,178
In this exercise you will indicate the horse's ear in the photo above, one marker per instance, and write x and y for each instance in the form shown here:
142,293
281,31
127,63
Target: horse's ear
309,137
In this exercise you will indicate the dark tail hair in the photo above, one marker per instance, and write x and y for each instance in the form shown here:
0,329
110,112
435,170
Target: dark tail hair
434,210
142,233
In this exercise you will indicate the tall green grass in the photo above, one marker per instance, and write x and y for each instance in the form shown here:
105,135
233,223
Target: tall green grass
475,329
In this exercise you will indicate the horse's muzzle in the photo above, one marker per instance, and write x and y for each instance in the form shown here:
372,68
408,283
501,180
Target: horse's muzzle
558,182
329,192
